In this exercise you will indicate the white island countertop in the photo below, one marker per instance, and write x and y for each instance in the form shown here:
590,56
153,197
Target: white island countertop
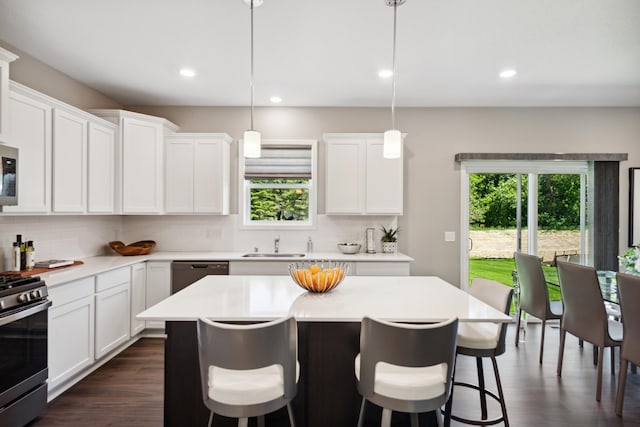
259,298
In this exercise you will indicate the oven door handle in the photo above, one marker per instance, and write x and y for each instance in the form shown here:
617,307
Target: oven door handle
25,313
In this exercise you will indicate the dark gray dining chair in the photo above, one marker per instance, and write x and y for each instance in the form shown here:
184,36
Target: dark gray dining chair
534,295
585,315
405,367
629,294
248,370
482,340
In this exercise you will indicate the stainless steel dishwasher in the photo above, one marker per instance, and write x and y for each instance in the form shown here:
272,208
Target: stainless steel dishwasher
184,273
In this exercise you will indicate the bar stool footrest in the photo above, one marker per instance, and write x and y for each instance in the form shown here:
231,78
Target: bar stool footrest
478,422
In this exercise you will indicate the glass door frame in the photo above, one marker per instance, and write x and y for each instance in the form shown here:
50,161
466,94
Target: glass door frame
532,169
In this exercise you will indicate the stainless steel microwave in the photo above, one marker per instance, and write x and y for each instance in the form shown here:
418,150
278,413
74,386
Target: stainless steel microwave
9,175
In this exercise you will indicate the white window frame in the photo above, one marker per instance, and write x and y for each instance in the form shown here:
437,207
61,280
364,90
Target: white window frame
530,167
244,193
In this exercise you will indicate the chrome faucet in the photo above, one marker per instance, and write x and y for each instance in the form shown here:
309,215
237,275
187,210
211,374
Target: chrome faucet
276,244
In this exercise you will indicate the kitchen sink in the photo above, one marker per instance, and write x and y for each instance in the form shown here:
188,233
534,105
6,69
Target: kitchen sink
271,255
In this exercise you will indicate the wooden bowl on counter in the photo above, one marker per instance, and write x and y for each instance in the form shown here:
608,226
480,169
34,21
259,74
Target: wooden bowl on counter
142,247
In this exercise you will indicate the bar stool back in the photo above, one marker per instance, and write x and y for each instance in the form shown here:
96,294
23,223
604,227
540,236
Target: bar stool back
405,367
629,293
482,340
248,370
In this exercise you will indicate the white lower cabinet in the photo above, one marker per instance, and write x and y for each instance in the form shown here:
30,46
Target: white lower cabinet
71,330
158,286
269,268
113,311
138,296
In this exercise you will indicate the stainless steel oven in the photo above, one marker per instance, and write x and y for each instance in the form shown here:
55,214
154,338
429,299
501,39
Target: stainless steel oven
23,349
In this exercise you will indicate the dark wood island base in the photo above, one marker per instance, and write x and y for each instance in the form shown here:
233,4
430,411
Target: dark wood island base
327,393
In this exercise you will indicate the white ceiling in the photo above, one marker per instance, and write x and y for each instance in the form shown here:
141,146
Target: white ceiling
328,52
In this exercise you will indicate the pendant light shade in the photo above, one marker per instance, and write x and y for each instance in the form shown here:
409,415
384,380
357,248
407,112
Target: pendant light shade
252,139
251,144
392,148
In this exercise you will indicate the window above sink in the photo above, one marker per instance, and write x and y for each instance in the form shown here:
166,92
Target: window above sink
279,189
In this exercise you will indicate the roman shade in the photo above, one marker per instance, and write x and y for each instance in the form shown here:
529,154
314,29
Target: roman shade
280,162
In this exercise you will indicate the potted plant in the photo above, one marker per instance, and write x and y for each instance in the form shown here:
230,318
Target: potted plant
389,239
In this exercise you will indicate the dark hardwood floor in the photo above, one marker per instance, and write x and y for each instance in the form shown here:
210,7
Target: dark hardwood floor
127,391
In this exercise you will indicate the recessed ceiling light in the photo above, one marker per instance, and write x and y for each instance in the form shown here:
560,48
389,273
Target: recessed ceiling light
385,74
275,99
187,72
508,73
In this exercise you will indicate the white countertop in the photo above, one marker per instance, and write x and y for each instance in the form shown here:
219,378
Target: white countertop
255,298
100,264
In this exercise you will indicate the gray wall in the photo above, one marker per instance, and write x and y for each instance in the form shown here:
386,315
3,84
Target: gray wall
39,76
435,135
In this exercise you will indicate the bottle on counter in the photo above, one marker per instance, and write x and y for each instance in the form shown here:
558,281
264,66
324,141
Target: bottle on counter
23,252
30,255
15,257
309,245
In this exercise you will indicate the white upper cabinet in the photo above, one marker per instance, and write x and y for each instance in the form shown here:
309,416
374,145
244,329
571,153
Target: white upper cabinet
6,58
141,160
30,131
197,173
359,180
69,162
101,168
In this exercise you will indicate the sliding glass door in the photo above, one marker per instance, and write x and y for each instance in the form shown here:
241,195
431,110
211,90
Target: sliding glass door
534,207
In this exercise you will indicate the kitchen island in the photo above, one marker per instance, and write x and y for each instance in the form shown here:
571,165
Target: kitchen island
328,334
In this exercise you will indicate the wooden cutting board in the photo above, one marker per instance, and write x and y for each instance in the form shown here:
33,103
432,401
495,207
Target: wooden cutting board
38,270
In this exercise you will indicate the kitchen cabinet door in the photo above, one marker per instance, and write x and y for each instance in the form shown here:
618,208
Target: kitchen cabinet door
69,162
71,343
197,173
359,180
112,318
142,166
384,181
30,131
6,58
345,177
71,339
158,287
101,168
211,175
180,155
138,296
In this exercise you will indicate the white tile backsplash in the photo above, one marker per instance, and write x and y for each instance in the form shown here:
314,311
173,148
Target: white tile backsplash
223,233
59,236
84,236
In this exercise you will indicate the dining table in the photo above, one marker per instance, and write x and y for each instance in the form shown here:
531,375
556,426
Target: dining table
328,336
608,285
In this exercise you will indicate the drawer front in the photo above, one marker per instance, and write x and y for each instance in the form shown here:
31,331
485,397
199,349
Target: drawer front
113,278
67,292
382,269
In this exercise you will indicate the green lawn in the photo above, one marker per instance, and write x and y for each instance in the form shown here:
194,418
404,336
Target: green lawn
500,269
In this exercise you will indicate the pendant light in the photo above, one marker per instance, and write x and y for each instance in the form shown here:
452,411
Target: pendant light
392,147
251,136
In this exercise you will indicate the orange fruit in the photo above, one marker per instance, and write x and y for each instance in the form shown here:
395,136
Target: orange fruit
314,268
322,280
330,276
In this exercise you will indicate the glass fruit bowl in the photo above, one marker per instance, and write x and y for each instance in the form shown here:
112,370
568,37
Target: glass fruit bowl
318,276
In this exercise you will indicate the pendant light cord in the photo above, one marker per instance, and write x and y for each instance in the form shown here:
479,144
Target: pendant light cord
251,65
393,84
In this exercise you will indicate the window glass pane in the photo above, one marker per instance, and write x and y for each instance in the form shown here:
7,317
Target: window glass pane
279,204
